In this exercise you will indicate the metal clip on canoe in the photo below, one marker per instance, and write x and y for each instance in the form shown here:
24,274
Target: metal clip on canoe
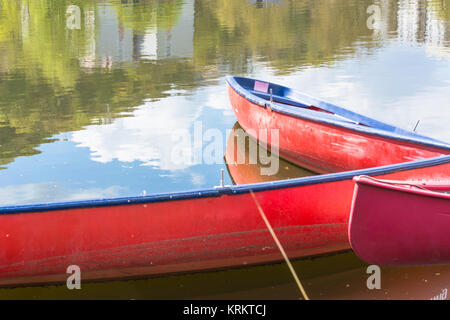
222,180
269,105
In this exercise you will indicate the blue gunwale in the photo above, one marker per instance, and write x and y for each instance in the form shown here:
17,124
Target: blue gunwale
287,95
217,192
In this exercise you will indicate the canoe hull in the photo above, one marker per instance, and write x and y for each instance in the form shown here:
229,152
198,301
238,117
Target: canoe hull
185,232
323,147
394,225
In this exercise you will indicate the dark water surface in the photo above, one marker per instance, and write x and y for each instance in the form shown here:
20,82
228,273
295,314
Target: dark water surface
95,94
339,276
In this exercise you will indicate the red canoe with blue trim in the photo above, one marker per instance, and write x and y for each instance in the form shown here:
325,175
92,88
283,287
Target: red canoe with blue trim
188,231
320,136
400,223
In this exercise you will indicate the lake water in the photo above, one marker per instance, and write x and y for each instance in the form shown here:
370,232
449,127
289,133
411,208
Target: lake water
95,96
91,98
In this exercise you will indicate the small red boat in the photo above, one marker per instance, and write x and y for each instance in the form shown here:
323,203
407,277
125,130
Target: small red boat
320,136
400,223
187,231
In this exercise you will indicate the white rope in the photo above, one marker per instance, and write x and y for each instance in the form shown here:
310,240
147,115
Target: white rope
280,247
399,183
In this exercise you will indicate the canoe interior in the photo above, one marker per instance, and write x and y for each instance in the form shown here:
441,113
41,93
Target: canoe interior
431,188
438,188
286,96
274,95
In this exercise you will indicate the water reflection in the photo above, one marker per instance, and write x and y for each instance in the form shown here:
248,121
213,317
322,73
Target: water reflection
341,276
151,135
244,163
48,192
118,76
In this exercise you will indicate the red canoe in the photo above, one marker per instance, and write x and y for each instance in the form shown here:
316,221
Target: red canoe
320,136
399,223
188,231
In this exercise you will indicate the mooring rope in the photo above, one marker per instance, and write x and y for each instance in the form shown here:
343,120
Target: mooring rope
280,247
396,183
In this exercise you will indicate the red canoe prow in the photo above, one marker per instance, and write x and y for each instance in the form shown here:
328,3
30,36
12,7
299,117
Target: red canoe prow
320,136
395,224
187,231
